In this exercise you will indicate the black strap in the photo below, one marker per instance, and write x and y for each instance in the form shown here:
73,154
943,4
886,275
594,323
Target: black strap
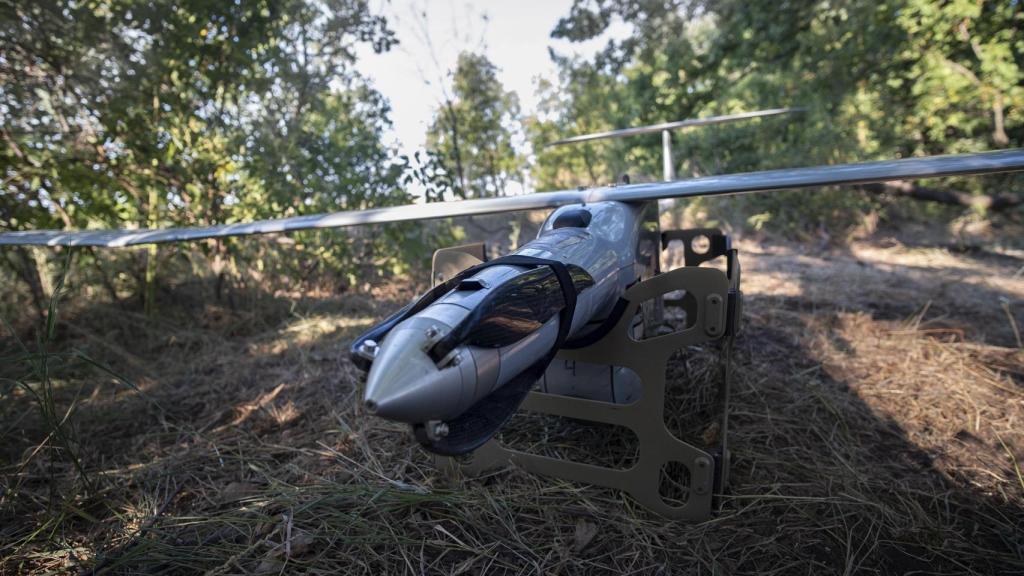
483,420
377,333
459,333
451,340
602,330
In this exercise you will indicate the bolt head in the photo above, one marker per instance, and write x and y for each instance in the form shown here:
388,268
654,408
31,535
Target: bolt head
369,348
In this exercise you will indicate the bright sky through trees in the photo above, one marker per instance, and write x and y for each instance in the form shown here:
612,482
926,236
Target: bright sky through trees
515,36
158,113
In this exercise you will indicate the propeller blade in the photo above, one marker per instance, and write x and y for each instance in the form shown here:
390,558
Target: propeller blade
787,178
674,125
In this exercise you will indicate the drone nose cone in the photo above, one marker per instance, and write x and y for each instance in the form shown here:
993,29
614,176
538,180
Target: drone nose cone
405,384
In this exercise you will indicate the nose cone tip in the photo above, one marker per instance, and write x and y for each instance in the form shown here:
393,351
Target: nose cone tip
404,384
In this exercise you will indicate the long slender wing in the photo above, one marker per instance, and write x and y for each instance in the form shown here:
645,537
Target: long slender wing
862,173
817,176
674,125
119,238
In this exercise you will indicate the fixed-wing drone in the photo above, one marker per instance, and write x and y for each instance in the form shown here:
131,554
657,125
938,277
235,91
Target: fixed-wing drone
456,363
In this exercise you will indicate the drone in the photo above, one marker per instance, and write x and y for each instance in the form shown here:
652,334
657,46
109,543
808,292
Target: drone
459,361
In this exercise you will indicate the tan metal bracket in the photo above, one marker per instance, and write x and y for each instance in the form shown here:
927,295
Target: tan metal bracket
717,299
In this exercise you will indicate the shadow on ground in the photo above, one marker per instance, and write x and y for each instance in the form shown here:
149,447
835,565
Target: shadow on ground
863,443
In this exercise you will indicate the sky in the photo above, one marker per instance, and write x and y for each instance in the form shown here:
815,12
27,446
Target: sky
515,35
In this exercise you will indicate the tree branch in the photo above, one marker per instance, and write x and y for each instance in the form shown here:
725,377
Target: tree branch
993,203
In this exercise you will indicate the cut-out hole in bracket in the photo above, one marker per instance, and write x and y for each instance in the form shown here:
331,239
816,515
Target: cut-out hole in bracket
598,444
674,255
674,484
695,396
680,310
680,313
700,244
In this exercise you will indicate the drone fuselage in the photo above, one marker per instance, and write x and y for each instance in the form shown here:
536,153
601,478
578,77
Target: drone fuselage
615,243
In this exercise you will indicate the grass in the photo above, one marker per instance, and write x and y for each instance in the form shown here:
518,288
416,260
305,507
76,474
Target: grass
876,428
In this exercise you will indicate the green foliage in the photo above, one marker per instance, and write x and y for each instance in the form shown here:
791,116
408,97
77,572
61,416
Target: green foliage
37,369
879,80
143,114
474,129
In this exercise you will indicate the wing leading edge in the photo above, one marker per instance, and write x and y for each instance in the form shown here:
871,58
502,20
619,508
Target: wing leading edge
790,178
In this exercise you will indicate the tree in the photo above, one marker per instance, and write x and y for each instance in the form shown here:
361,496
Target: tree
878,79
474,129
145,114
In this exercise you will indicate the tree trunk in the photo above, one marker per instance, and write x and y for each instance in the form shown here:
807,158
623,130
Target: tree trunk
28,271
999,123
453,122
149,290
108,284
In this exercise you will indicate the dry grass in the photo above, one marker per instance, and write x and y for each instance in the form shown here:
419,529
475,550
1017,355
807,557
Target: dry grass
876,428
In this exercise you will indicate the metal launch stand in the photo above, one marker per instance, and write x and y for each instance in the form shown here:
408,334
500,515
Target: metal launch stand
712,306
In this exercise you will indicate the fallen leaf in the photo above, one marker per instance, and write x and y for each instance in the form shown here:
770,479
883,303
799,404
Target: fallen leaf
301,542
585,532
270,566
711,434
237,491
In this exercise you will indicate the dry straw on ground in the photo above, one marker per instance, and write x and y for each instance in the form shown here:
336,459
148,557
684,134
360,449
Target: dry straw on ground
877,424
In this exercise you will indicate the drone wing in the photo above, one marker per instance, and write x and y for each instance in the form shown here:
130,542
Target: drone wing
861,173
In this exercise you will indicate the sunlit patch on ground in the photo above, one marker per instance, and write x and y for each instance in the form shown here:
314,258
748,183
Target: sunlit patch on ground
876,428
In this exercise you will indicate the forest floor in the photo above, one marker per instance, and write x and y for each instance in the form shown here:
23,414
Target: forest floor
877,426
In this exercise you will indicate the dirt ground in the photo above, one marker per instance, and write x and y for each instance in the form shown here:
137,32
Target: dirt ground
877,427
